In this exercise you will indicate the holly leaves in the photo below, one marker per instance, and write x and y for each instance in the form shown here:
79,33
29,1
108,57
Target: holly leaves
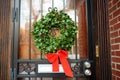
43,30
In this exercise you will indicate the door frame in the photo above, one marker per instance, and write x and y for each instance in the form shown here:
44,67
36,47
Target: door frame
90,38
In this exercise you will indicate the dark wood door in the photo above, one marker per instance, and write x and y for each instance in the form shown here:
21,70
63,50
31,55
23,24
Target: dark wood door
5,38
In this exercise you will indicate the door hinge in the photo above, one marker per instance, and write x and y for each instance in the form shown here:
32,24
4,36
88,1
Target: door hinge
97,51
14,14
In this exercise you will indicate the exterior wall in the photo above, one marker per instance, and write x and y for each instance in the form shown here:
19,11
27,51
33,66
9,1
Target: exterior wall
114,24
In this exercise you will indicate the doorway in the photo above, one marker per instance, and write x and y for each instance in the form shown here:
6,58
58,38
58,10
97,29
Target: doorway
26,57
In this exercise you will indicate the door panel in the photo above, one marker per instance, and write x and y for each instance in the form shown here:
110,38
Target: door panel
35,11
27,56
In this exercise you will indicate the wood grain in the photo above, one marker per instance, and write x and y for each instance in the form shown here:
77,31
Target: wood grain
103,40
5,39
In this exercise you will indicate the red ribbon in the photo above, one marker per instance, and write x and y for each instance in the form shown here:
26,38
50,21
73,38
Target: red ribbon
62,55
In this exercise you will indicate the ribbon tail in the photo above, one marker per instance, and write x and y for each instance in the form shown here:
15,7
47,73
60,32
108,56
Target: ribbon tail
53,58
66,67
55,66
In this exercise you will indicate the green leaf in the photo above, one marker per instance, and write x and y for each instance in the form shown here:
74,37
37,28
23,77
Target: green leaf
49,44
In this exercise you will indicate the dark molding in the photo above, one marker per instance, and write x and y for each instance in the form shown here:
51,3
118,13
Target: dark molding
103,39
91,37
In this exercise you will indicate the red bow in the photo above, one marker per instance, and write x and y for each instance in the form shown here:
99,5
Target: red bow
53,58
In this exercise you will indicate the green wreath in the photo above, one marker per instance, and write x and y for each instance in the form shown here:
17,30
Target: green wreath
44,32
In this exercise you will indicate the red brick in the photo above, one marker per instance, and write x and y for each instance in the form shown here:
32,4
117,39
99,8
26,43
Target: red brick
119,18
113,71
118,66
112,41
111,28
117,26
113,77
115,47
116,13
109,4
114,34
112,9
113,53
115,1
110,17
117,40
112,22
118,4
118,78
118,73
113,65
117,60
117,53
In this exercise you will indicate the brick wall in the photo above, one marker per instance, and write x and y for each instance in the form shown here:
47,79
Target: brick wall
114,24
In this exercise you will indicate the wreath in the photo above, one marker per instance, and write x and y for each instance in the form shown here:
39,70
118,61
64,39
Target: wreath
55,31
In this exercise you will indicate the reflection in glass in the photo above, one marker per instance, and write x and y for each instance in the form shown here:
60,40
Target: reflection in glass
39,8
